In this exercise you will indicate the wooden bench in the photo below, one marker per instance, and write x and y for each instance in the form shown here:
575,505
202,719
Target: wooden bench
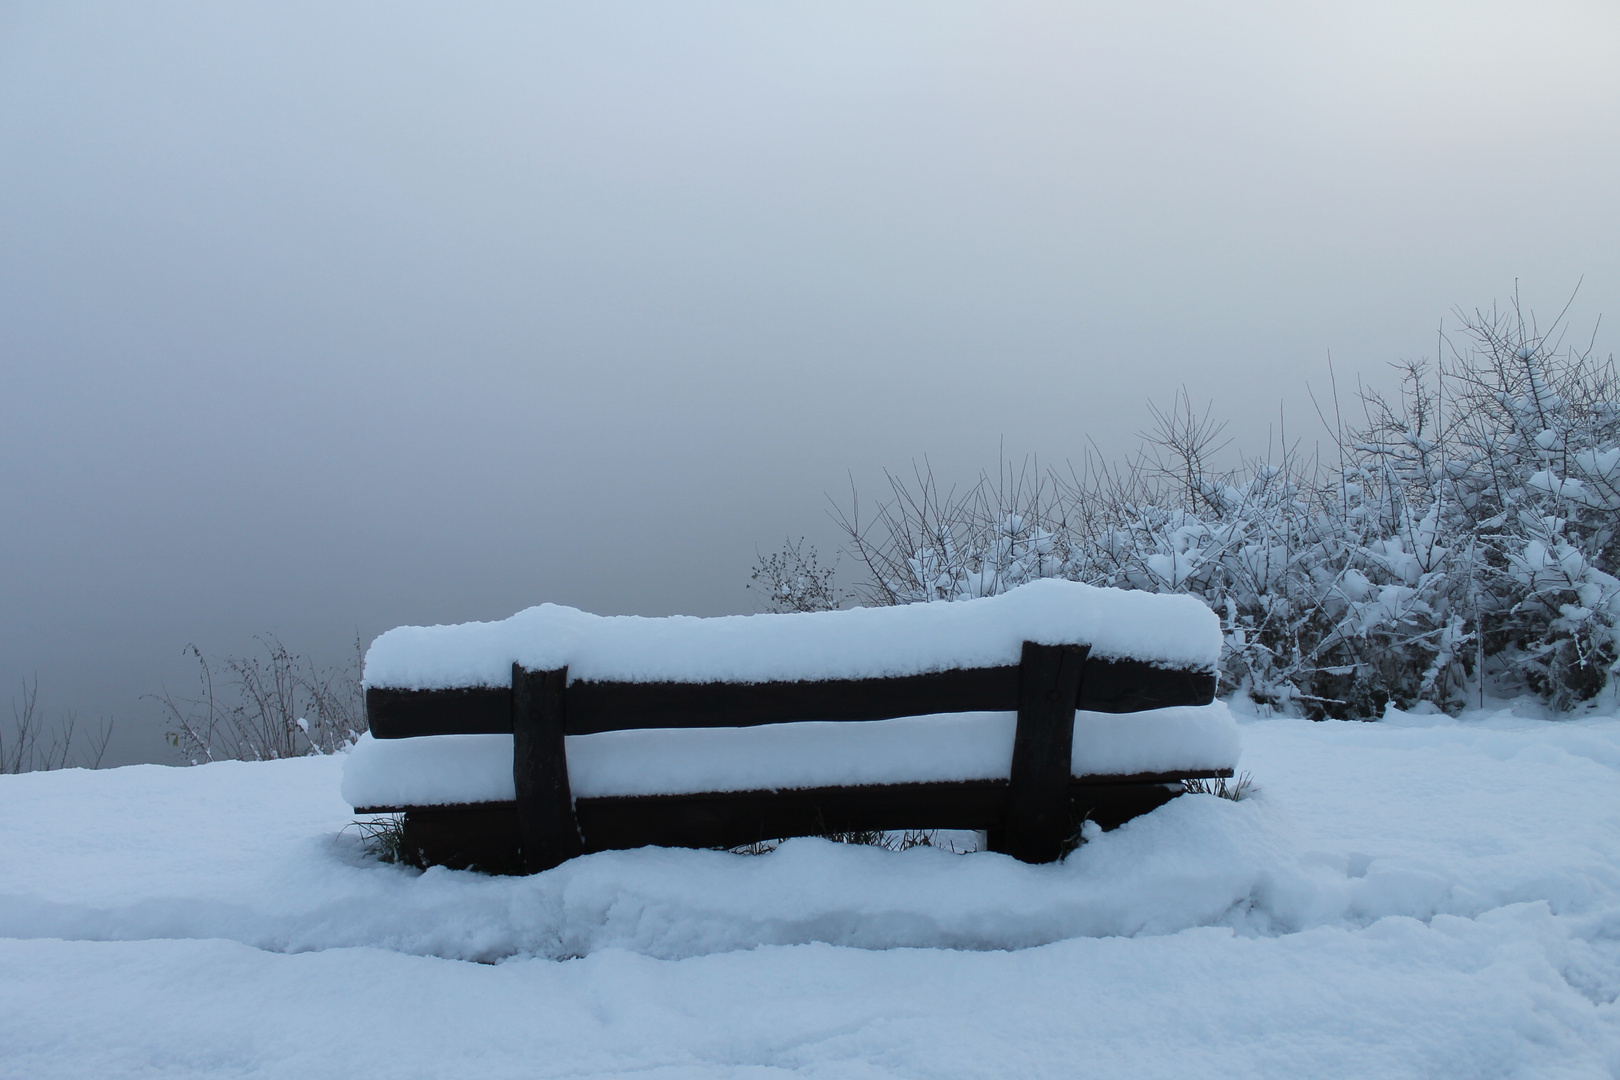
1033,813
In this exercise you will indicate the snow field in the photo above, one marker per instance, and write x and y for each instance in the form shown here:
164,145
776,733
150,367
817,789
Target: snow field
1177,631
1455,999
1420,897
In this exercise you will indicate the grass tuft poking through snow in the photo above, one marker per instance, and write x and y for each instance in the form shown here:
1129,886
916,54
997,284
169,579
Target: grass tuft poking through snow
1237,788
955,841
383,838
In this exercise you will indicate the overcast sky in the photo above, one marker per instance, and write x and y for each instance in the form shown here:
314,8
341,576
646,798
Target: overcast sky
321,318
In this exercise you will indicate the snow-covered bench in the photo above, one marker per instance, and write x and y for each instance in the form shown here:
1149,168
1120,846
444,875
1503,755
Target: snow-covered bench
518,744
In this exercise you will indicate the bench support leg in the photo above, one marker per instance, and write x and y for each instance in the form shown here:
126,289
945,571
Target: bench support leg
549,832
1038,822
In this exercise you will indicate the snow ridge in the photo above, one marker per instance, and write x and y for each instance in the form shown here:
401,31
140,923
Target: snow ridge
1174,631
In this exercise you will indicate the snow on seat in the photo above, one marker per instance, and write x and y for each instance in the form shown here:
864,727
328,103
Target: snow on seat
522,742
448,770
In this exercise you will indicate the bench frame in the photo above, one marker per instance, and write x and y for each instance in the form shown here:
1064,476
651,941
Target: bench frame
1033,815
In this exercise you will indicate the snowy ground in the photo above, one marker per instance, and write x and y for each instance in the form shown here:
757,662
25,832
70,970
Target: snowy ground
1413,898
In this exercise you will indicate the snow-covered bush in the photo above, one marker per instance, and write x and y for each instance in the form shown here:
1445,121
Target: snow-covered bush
1461,535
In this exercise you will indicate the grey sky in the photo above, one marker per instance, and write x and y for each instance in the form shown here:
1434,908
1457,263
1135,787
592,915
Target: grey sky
321,318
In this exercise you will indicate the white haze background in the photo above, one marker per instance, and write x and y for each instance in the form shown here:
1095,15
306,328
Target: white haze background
319,320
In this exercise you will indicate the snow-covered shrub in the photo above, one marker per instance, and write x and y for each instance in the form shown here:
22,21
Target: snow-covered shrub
1462,534
261,709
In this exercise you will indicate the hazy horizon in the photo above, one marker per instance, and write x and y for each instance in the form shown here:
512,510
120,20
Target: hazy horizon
317,321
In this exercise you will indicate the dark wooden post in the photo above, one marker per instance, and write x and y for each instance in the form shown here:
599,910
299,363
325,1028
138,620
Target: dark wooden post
1038,822
546,824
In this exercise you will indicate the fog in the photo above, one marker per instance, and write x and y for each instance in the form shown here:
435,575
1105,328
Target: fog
317,319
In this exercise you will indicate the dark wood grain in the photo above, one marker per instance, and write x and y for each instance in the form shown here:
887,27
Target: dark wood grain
486,836
1038,821
404,714
545,807
731,819
1112,780
481,837
1108,686
605,706
1121,686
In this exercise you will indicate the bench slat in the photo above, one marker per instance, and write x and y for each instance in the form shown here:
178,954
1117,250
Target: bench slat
405,714
1108,685
1094,781
486,835
595,707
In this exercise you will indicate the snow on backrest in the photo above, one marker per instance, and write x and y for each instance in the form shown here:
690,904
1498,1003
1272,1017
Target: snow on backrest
1171,631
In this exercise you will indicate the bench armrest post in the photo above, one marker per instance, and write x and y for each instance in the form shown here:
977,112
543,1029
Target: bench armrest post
547,826
1039,825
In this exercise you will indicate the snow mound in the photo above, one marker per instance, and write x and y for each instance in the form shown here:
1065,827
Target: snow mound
1175,631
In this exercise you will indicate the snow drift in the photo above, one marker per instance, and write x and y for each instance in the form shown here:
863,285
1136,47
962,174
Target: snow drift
1173,631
